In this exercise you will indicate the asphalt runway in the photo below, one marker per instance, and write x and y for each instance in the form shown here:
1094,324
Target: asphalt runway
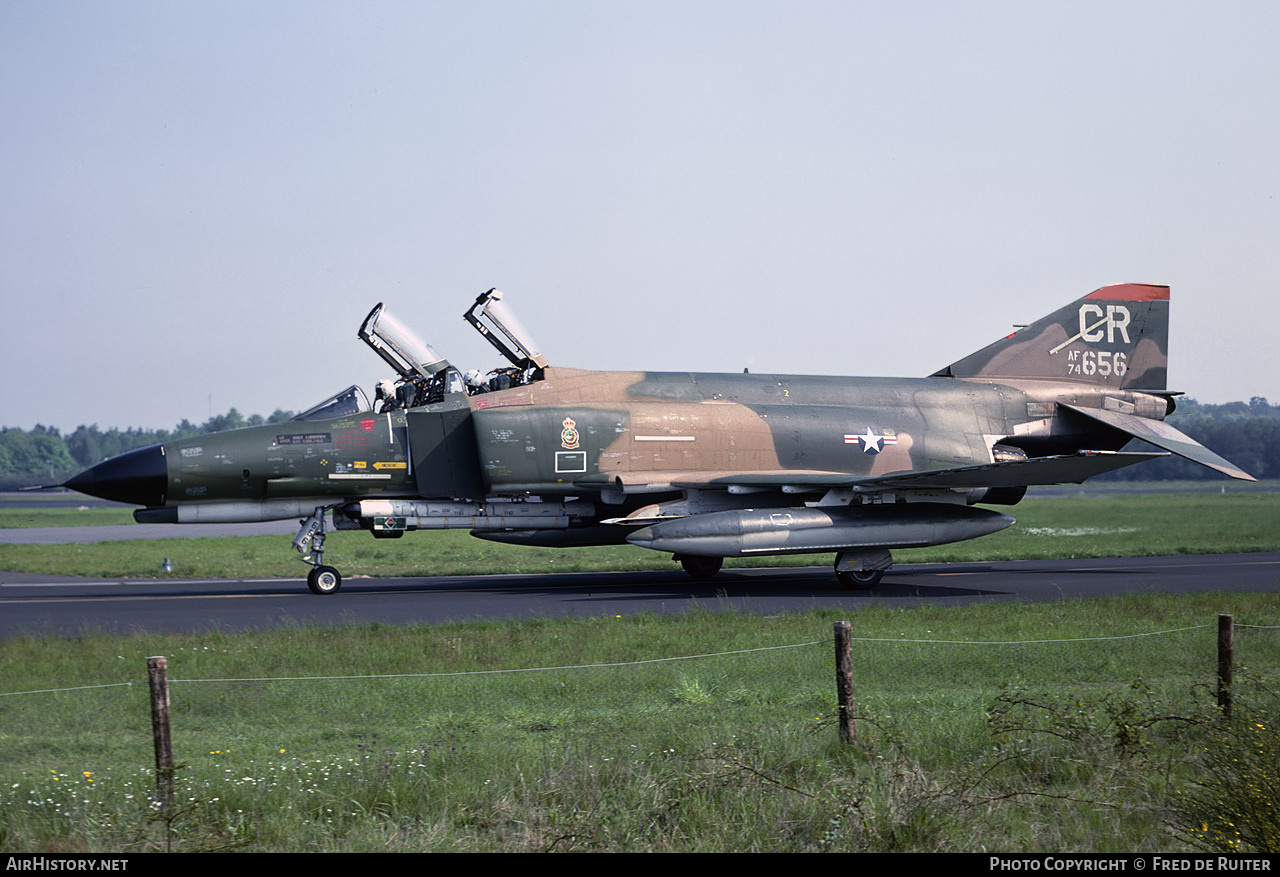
42,605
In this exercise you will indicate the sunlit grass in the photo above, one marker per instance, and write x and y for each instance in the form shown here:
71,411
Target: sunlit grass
287,742
35,515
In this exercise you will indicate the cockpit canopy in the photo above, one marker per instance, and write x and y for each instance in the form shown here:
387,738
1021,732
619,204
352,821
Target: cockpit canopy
426,377
352,400
490,313
396,343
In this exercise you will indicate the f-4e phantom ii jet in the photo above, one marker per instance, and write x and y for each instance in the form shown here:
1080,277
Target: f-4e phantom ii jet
704,466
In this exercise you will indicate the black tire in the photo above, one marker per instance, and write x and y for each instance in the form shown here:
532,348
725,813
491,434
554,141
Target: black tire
324,580
860,580
702,567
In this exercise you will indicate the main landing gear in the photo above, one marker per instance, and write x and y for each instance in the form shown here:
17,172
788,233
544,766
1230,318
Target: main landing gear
855,570
862,570
862,580
322,580
700,567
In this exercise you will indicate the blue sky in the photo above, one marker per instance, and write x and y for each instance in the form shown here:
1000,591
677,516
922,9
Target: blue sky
200,201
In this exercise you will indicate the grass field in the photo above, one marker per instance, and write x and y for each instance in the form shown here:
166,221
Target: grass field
1078,726
1074,726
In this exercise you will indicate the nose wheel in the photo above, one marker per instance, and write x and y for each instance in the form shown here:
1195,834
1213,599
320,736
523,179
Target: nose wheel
322,580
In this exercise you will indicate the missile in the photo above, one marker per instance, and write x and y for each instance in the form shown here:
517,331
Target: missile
756,532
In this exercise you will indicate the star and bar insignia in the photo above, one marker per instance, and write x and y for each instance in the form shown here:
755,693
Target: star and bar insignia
871,442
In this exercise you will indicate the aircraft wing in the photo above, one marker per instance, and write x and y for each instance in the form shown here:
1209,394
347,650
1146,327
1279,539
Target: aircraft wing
1066,468
1162,435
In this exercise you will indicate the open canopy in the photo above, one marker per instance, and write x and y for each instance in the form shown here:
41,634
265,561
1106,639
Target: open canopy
395,342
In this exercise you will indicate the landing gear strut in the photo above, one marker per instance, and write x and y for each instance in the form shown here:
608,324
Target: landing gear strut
322,580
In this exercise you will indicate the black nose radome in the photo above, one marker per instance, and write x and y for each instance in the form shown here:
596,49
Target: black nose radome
137,477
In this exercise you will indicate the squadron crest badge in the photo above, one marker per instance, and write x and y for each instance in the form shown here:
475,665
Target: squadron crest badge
569,435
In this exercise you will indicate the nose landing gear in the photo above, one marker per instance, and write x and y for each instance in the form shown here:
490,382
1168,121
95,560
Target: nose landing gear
322,580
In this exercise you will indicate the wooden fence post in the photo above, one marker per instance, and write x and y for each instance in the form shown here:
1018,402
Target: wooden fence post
844,682
158,678
1226,659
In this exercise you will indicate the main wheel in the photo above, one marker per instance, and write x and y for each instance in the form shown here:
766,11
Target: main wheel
701,567
324,580
860,580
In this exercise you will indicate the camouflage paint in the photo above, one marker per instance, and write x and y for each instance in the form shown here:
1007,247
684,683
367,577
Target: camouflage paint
743,463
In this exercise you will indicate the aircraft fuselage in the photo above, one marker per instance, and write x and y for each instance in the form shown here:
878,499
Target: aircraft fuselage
579,430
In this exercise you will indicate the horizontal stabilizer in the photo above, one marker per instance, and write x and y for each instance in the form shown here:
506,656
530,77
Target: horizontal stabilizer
1162,435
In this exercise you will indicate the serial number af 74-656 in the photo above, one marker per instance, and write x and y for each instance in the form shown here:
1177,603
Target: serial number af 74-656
703,466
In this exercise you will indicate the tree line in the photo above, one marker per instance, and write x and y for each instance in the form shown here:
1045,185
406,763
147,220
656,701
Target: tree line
1246,433
44,456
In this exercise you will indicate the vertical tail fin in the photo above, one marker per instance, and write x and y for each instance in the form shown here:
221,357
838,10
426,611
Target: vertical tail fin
1117,337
